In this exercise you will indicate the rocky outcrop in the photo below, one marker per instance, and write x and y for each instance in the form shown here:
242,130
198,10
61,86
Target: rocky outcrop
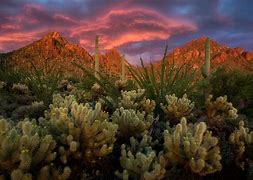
221,55
53,53
248,56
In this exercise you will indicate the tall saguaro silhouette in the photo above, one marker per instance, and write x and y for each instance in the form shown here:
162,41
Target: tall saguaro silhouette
96,57
207,58
123,70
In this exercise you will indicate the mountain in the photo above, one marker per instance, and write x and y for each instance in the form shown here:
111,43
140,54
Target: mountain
221,55
111,61
54,53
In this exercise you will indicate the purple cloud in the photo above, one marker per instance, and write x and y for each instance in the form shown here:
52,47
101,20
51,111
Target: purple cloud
135,27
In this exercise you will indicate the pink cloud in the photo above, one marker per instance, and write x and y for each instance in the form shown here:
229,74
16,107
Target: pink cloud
14,40
10,26
116,27
119,27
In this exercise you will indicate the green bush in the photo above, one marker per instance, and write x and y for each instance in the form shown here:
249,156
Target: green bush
167,79
236,85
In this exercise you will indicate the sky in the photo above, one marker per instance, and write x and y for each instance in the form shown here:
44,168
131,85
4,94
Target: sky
137,28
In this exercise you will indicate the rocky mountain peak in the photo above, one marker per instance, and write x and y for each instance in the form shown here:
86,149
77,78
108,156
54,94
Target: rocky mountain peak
221,55
54,38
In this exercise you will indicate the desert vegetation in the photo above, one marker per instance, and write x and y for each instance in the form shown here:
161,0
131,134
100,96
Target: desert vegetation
166,122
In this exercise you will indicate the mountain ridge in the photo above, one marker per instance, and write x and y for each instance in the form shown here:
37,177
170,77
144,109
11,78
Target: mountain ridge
55,50
221,55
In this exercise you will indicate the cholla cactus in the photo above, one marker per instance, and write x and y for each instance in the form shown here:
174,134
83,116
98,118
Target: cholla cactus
65,85
131,122
219,110
139,161
18,174
62,102
2,84
176,108
49,172
137,101
121,84
97,88
20,88
64,130
148,105
194,147
241,138
130,99
98,134
45,173
24,148
85,132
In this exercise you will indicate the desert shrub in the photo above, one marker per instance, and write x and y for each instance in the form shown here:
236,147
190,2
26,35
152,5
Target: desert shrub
167,79
25,150
237,86
43,85
129,141
82,132
150,127
193,147
104,87
17,102
12,76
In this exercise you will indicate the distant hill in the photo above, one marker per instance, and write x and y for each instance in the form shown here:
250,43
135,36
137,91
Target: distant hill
221,55
54,53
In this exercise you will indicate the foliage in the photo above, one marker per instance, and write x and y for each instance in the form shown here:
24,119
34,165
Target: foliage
139,161
17,102
241,138
176,108
167,79
219,110
106,84
138,129
193,147
25,149
131,122
237,86
82,132
42,85
12,76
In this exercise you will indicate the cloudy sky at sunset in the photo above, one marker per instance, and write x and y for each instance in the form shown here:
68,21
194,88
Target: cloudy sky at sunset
136,27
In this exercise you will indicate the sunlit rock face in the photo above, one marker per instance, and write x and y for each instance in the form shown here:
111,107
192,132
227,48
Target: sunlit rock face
54,53
221,55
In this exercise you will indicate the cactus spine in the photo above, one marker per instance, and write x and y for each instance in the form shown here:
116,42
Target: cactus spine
96,57
206,69
123,69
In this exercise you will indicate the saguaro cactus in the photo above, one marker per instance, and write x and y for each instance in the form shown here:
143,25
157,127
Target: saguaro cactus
206,67
96,57
123,69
